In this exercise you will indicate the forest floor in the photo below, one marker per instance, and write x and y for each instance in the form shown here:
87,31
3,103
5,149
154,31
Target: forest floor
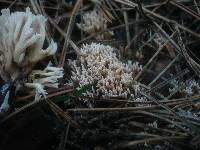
161,36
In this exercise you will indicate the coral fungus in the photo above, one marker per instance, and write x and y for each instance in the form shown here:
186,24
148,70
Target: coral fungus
22,36
100,63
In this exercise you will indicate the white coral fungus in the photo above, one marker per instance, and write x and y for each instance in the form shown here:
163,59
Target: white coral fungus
45,78
94,21
22,36
100,63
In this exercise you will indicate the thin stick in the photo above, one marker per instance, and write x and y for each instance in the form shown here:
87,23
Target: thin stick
142,125
196,5
186,9
164,70
63,114
68,34
126,27
122,109
75,47
150,140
